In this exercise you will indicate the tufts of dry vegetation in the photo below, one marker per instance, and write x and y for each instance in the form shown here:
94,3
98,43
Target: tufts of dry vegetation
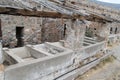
103,62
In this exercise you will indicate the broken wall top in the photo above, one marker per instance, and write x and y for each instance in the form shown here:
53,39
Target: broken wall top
70,10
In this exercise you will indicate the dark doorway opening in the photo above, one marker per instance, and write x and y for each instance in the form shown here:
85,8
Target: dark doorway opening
64,33
19,36
116,30
111,30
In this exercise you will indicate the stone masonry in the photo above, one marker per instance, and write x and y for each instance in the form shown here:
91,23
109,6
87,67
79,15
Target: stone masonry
75,34
32,29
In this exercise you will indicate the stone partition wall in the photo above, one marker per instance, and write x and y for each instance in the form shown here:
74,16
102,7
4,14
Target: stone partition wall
114,26
32,29
104,29
108,31
52,29
53,67
99,29
75,34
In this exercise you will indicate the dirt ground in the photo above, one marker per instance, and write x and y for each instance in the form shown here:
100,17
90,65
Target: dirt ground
106,70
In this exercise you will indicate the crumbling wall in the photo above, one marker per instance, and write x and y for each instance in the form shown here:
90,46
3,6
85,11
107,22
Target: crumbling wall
57,66
41,69
100,9
32,29
53,30
114,31
75,34
98,29
36,30
106,31
114,26
103,30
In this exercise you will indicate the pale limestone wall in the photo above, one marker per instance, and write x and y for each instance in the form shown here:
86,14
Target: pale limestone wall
94,26
114,26
99,29
53,30
75,34
103,30
53,67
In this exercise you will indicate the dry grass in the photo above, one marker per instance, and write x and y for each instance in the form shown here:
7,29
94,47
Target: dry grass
103,62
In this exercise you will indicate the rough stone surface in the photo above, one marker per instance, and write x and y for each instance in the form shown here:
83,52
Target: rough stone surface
52,29
31,26
75,35
99,9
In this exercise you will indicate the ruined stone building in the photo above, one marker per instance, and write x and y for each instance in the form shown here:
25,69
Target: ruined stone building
54,39
34,30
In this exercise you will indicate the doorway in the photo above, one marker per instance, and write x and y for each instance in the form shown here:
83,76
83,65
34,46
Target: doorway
111,30
116,30
19,36
64,32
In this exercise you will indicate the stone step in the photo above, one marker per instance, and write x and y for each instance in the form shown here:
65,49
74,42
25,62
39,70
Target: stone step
89,38
89,41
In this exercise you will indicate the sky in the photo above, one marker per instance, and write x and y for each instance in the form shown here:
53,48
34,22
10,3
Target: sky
111,1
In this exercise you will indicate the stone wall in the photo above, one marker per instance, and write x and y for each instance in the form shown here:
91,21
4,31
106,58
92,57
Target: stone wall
99,29
53,30
115,28
32,29
75,34
54,67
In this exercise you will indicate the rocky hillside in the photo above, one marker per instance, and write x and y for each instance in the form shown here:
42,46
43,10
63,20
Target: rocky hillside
117,6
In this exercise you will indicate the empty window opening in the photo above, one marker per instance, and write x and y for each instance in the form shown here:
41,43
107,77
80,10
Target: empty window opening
64,33
73,2
94,28
116,30
111,30
19,36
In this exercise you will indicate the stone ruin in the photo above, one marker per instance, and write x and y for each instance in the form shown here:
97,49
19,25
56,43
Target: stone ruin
69,52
